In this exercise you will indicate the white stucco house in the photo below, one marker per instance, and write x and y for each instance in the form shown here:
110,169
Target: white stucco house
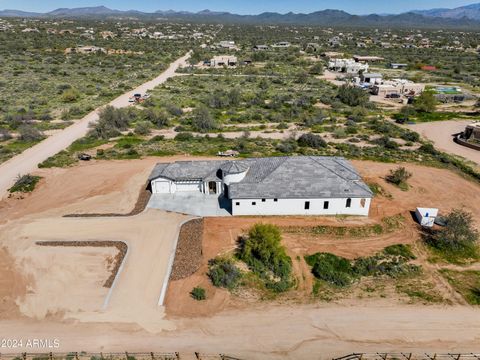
297,185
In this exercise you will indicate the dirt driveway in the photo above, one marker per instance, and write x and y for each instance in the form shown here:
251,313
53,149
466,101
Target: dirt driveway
441,134
28,160
134,298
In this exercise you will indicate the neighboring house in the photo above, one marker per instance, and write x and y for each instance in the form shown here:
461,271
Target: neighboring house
223,60
282,44
371,78
302,185
260,48
399,87
312,47
398,66
348,66
228,45
365,59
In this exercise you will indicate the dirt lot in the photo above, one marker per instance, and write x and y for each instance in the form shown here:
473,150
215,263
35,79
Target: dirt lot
292,327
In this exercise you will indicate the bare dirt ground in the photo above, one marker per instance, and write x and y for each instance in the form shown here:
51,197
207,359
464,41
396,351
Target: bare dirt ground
28,160
245,326
441,134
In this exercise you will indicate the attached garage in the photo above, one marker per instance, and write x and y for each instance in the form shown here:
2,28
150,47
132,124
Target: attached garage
161,186
188,186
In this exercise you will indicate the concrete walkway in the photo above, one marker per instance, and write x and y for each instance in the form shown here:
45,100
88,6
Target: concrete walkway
28,160
191,203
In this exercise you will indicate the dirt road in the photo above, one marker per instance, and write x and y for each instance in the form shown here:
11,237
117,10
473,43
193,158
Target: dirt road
278,332
28,160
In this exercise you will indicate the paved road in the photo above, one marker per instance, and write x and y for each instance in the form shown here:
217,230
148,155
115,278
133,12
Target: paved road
28,160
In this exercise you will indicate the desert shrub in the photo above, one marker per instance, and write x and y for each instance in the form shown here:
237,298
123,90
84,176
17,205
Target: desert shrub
29,133
399,177
202,120
393,261
425,103
111,122
156,117
311,140
401,250
25,183
223,273
142,128
333,269
458,239
184,136
287,146
70,95
4,134
198,293
262,251
352,96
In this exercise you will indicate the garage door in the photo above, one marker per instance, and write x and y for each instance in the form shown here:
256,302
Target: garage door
162,187
192,186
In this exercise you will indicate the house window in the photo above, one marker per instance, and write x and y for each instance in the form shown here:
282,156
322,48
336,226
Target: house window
254,203
237,203
307,205
363,202
275,200
349,203
263,200
326,204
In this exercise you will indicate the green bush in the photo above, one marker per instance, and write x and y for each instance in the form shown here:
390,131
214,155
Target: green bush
458,240
353,96
399,177
393,261
25,183
312,140
333,269
223,273
198,293
262,251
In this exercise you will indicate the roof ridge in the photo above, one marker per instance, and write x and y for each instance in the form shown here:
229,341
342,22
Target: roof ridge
284,158
319,163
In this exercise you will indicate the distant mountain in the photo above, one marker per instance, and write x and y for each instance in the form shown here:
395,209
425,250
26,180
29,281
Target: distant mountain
418,19
470,12
18,13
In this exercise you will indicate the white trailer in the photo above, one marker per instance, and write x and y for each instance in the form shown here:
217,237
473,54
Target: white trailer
426,216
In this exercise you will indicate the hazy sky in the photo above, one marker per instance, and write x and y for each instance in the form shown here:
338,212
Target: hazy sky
241,6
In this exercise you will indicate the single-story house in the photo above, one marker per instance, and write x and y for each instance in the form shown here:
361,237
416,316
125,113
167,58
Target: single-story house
348,66
260,48
224,60
365,59
371,78
296,185
398,86
398,66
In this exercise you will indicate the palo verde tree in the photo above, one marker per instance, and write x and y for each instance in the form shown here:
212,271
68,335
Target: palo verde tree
263,252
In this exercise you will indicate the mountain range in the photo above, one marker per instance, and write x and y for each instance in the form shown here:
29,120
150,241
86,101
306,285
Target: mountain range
462,17
470,11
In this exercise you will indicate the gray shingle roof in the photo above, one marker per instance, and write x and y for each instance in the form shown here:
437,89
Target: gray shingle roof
276,177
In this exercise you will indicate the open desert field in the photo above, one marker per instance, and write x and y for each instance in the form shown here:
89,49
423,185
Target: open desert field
61,291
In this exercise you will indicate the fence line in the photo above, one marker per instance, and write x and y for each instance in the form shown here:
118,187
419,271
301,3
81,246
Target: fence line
409,356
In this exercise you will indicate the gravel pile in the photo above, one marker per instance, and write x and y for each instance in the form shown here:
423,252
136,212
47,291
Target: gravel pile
188,256
117,261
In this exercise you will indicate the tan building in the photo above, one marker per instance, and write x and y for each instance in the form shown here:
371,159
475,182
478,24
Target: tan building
399,87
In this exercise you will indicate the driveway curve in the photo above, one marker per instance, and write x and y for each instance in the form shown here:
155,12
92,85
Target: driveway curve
28,160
